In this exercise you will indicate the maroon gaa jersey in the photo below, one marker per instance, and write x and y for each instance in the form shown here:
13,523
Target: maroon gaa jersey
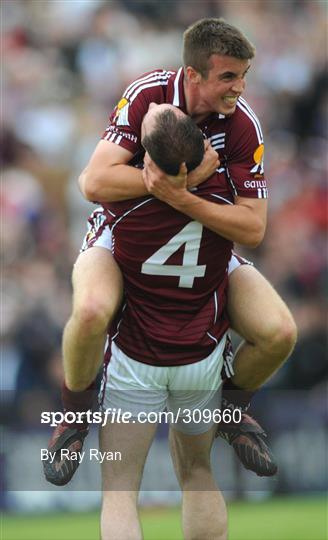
175,281
237,138
175,270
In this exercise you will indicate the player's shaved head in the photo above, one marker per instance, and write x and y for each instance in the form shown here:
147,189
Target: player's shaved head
170,137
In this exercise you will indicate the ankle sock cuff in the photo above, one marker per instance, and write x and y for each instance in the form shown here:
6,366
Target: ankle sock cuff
235,397
79,401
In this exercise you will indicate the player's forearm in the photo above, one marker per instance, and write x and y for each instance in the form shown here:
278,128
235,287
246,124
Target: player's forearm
115,183
237,223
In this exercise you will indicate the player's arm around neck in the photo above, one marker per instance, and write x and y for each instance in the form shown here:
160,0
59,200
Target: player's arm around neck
108,177
243,223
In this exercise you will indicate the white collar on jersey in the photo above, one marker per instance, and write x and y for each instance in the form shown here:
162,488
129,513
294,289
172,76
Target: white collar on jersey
176,96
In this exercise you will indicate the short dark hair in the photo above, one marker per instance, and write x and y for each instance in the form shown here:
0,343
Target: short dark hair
213,36
174,139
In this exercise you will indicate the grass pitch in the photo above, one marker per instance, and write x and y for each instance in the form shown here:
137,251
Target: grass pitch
282,518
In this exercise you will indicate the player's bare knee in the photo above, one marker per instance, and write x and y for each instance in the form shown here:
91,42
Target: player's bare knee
281,335
79,383
289,333
92,316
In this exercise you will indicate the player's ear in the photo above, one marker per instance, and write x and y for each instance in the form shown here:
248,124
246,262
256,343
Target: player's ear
183,169
192,75
147,159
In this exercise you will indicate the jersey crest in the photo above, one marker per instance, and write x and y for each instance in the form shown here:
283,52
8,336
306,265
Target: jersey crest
258,155
121,117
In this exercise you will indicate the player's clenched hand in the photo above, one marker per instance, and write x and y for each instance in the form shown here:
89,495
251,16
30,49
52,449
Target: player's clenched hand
163,186
207,167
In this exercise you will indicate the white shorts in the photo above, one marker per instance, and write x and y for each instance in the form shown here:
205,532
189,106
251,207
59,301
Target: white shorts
184,391
99,235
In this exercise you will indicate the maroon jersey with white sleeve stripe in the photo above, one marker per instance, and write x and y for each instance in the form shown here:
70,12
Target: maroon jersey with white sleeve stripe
175,270
175,280
237,138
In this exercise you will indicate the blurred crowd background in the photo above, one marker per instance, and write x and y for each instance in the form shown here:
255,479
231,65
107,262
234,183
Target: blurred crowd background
65,65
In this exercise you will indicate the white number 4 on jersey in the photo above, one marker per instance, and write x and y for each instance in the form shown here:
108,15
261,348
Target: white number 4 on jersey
191,236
